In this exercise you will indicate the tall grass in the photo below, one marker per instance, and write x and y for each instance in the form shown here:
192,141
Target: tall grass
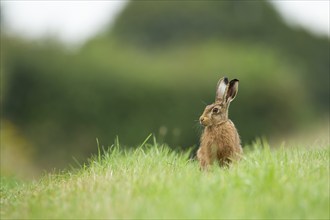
154,181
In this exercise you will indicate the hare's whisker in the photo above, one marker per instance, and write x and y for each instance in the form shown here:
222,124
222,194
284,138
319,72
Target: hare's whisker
203,102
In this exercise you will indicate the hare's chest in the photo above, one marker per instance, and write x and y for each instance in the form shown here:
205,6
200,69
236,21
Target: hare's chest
218,150
222,141
214,149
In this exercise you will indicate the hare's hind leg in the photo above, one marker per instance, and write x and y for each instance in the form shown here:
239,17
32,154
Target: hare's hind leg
225,163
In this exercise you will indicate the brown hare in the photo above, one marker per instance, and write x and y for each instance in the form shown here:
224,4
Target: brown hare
220,141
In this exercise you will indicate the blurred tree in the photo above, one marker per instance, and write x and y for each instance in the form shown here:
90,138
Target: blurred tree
159,23
155,23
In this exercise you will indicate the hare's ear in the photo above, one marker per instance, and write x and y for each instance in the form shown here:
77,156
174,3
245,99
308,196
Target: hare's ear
221,89
232,90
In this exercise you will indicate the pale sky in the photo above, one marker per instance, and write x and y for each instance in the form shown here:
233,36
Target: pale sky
310,14
74,22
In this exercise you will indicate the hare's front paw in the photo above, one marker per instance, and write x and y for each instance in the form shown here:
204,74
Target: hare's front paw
203,162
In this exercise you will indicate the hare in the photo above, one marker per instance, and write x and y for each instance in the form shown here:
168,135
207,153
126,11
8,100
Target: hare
220,140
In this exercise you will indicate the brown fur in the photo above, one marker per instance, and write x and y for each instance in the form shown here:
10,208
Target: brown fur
220,140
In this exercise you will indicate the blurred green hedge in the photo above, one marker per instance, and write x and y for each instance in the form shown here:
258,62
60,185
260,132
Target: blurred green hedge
148,75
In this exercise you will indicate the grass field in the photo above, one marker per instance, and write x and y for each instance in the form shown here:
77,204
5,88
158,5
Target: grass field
154,181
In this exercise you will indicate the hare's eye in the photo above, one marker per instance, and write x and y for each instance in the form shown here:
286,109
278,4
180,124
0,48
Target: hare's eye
215,110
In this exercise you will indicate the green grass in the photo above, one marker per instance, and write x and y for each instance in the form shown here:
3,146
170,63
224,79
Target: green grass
154,181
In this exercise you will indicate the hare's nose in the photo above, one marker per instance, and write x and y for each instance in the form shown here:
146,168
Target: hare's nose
201,119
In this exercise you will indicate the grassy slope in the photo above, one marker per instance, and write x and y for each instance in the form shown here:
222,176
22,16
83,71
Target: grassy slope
155,182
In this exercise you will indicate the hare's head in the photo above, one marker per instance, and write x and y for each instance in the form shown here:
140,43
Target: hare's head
217,112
